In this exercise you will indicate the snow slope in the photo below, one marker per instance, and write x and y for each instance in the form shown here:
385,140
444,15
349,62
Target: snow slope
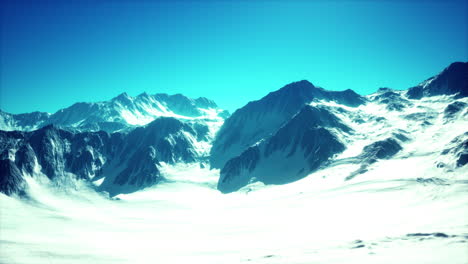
386,216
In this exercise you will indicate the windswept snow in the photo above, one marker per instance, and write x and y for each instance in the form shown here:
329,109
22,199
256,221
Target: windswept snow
386,216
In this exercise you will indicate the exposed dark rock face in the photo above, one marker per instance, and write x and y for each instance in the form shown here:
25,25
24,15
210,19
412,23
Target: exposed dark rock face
25,158
438,234
383,149
201,131
142,170
454,108
421,116
165,134
393,101
401,135
462,153
462,159
453,80
416,92
11,178
298,148
458,149
233,176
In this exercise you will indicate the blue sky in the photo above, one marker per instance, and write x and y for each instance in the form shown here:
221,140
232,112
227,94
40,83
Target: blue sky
55,53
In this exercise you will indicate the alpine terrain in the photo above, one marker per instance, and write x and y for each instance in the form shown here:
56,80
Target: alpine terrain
302,175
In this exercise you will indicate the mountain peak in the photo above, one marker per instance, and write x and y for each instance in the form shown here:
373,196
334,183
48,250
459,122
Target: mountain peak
205,103
144,94
294,91
457,66
259,119
384,89
303,82
452,80
299,84
123,97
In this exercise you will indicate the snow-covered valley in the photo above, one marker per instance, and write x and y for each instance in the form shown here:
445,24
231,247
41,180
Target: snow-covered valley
388,217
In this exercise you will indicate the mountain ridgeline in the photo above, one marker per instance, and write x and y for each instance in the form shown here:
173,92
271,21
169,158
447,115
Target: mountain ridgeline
121,145
121,113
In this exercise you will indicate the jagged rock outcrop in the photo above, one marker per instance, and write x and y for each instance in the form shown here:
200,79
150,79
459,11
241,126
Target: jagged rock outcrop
382,149
457,152
454,108
393,100
11,178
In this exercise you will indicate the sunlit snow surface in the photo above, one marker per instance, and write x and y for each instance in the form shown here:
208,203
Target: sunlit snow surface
403,210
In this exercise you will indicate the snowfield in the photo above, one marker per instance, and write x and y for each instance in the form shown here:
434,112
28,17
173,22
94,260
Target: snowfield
314,220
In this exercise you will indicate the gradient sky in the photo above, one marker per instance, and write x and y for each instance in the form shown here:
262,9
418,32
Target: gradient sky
56,53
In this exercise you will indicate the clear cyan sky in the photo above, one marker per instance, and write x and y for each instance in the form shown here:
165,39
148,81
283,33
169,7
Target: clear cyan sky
56,53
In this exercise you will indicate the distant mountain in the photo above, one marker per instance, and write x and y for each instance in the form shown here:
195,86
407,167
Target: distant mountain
118,114
262,118
22,122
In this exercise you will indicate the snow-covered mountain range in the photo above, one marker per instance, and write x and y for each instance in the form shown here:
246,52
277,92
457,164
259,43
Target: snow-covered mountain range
118,145
281,138
118,114
117,163
302,175
326,129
